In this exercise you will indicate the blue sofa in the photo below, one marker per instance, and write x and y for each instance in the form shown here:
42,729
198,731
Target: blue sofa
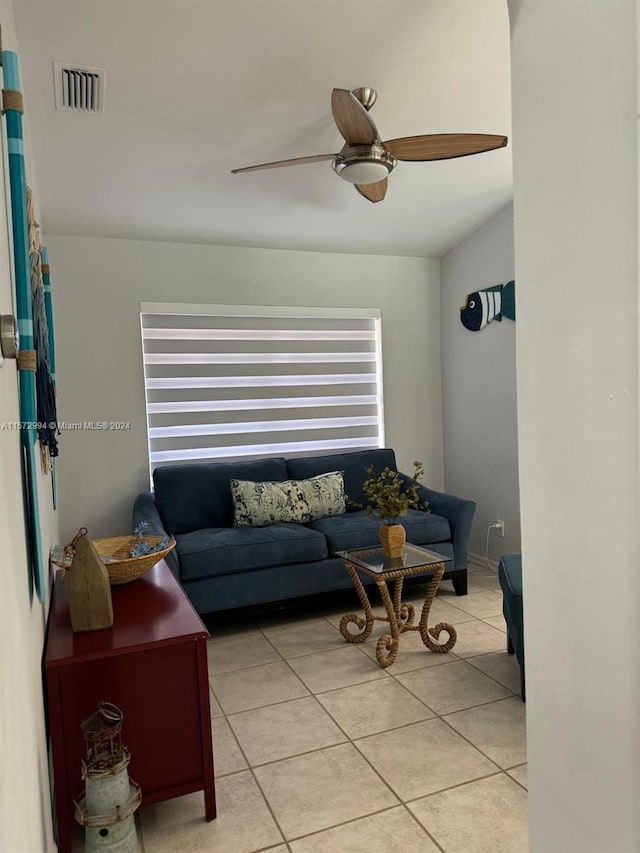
222,567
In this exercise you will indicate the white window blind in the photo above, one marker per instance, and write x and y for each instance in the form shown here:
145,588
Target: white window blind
229,382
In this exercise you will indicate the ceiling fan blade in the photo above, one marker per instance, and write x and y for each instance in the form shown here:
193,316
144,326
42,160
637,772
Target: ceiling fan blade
353,121
443,146
373,192
297,161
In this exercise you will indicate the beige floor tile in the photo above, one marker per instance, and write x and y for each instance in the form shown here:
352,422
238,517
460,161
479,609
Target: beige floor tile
446,689
498,730
446,590
497,622
338,668
321,789
501,666
481,566
283,730
412,654
229,652
285,616
348,603
477,638
216,710
487,579
256,686
227,757
334,615
474,585
394,829
374,707
442,610
304,638
520,775
488,816
480,604
244,823
424,757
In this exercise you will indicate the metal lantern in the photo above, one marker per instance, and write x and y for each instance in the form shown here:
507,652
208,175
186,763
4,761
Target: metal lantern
110,798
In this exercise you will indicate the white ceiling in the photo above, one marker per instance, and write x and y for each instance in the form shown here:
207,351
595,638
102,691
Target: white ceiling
197,87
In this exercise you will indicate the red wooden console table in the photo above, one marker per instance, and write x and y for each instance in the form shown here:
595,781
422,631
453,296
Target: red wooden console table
152,664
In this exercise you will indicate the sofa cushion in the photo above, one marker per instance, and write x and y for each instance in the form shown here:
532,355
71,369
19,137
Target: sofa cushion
193,497
227,550
299,501
352,466
425,528
361,530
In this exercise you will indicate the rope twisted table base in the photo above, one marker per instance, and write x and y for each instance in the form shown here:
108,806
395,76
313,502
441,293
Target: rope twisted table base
399,615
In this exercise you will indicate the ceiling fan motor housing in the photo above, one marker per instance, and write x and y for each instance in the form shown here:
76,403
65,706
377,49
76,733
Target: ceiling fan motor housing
366,95
363,164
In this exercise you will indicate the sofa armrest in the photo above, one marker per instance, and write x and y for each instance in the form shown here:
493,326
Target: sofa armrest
145,509
459,513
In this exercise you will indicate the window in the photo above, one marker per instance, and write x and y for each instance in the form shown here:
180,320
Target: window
227,382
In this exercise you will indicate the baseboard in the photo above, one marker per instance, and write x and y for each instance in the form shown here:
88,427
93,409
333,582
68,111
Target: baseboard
480,561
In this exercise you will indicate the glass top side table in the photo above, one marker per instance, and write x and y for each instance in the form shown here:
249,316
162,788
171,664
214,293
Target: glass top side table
400,616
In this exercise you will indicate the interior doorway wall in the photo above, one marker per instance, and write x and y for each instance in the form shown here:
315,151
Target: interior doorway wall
574,92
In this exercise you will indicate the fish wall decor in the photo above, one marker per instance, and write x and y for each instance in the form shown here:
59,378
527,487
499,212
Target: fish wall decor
484,306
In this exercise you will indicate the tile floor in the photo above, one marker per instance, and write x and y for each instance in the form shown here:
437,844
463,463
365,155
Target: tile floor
319,750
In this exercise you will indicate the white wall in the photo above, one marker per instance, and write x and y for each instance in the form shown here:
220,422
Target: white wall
25,809
576,248
479,387
99,286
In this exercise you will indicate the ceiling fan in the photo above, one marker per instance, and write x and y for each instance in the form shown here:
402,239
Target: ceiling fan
365,160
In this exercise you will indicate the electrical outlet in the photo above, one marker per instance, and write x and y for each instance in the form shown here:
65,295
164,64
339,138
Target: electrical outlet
500,527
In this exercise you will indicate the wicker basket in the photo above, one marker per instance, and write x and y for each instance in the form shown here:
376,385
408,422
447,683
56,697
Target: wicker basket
124,568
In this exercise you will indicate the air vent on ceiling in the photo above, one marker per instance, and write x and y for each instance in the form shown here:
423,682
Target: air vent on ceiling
79,89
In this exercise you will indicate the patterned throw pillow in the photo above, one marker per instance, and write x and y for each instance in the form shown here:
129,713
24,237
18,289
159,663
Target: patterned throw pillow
320,496
300,501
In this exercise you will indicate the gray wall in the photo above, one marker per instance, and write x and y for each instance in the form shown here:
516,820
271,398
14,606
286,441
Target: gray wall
99,285
479,388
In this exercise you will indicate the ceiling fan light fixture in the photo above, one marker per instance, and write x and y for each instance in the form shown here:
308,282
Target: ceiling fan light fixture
365,160
362,171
